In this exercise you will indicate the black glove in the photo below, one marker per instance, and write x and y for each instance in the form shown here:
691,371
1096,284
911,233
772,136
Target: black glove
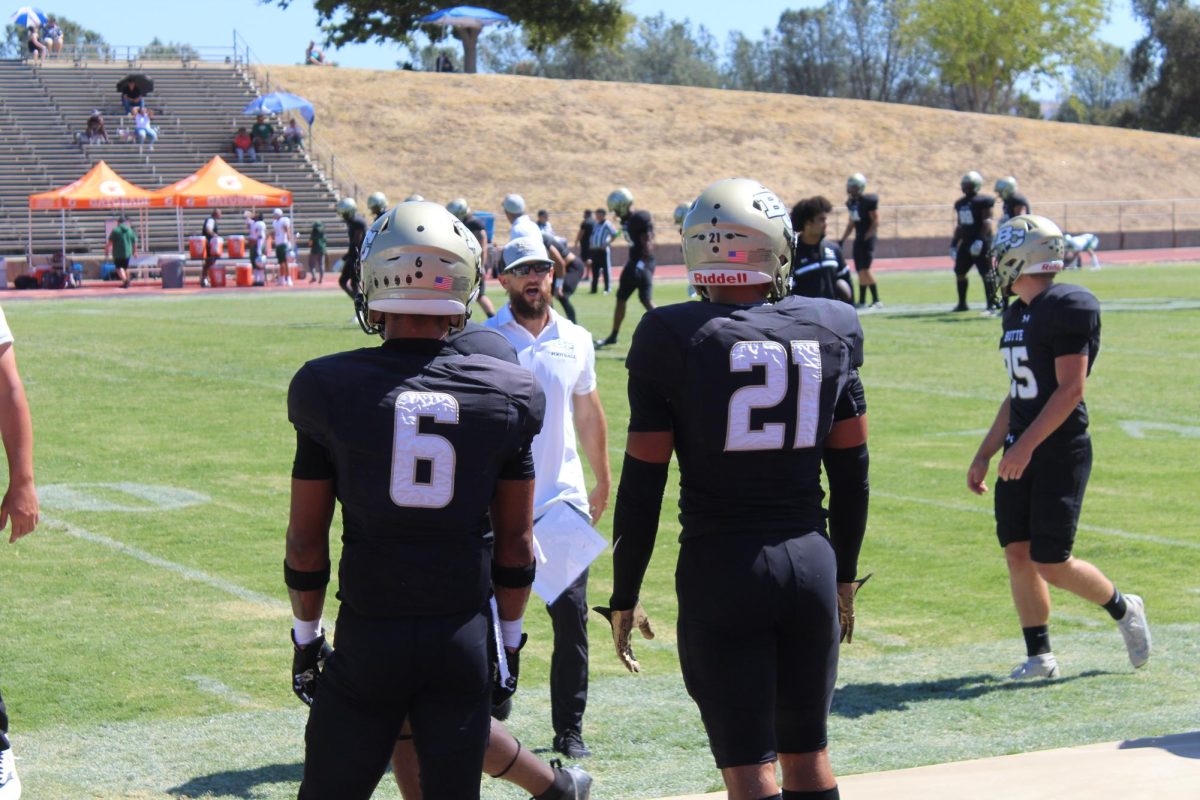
503,691
307,663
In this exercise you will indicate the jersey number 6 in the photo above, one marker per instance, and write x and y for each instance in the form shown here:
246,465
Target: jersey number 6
773,357
411,450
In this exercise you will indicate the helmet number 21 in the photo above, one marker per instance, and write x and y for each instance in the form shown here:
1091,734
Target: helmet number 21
1024,384
423,463
777,372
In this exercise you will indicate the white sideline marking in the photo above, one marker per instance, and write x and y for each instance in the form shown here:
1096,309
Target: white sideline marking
215,687
190,573
75,497
1138,537
1137,428
978,432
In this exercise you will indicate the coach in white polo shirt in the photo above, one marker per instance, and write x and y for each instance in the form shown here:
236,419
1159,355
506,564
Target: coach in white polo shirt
561,356
522,225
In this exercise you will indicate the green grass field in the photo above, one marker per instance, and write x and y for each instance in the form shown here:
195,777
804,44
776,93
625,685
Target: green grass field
144,647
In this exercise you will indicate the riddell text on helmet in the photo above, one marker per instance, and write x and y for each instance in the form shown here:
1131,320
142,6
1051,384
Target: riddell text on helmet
720,278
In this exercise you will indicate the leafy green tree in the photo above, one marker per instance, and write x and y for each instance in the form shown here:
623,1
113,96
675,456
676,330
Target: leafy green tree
1163,65
748,64
811,53
585,24
884,61
1100,89
981,49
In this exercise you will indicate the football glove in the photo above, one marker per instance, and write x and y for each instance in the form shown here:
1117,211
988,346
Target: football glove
504,689
845,596
308,661
623,622
976,247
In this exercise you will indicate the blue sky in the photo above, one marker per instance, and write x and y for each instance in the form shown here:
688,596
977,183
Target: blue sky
279,36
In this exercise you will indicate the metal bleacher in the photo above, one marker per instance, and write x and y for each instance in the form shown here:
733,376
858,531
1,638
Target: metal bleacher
197,107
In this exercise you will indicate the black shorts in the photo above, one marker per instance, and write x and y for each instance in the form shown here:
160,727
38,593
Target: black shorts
635,278
575,271
963,260
758,642
1043,507
121,263
864,253
432,671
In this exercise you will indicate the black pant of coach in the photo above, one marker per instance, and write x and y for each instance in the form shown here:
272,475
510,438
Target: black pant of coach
569,663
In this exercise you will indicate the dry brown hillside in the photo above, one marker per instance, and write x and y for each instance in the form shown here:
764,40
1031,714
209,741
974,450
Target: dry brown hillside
565,144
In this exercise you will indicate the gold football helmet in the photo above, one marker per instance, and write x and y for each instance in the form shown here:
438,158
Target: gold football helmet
1027,245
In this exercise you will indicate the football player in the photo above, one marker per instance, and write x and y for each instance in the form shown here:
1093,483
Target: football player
377,204
459,208
1081,243
752,391
819,268
638,272
1049,344
418,442
356,228
972,237
864,223
1015,203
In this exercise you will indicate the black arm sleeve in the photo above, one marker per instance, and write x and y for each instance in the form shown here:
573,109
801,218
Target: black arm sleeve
849,496
635,527
312,462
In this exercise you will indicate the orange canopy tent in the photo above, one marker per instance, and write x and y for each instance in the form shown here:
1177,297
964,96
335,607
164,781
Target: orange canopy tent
215,185
100,188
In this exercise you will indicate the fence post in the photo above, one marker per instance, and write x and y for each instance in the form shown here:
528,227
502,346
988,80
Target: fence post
1174,236
333,168
1121,225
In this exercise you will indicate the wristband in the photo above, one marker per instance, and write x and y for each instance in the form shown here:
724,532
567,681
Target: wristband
305,581
510,632
305,631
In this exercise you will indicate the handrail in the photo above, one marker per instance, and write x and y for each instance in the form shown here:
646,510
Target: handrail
134,54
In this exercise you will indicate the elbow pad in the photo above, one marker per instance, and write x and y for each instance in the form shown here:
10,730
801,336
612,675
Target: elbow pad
635,527
849,497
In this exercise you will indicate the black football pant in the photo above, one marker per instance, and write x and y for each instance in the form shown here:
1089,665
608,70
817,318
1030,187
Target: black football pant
569,663
430,670
599,265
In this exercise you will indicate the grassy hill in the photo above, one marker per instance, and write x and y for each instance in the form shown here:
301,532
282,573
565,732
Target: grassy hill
565,144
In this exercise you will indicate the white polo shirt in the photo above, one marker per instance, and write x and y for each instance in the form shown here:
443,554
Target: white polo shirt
524,226
563,360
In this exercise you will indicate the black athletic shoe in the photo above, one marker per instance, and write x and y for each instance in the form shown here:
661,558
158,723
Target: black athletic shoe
961,308
570,744
605,342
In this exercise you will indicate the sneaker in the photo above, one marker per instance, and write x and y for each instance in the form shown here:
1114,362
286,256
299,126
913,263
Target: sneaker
1043,666
204,284
605,342
960,308
570,744
580,787
877,304
1135,630
10,784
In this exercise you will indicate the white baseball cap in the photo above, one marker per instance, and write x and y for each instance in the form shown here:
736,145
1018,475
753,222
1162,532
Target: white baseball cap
514,204
524,250
278,212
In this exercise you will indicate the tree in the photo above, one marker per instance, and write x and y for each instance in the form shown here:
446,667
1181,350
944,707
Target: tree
982,48
810,55
1100,89
1163,65
748,64
884,62
585,24
73,33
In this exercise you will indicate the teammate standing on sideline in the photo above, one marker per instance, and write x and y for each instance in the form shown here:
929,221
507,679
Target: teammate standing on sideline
1050,342
284,240
583,238
459,208
817,263
211,232
20,504
752,407
559,354
356,228
1015,203
638,273
417,442
377,204
601,253
864,223
972,238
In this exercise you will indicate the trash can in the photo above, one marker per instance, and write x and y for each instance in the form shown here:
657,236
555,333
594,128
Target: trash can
489,223
171,270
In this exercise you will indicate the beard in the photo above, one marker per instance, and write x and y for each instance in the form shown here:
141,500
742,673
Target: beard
527,307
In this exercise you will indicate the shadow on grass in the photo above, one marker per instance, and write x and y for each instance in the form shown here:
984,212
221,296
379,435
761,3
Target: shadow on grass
239,783
1184,745
862,699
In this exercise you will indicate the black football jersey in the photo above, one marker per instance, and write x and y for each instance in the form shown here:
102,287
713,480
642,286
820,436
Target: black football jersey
1063,320
816,268
356,227
475,338
970,212
750,393
416,436
1013,202
475,225
637,225
860,209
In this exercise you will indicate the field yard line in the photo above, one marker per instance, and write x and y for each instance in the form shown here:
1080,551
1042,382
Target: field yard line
1139,537
190,573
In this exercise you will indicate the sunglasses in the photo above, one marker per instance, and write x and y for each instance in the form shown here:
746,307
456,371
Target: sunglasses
521,270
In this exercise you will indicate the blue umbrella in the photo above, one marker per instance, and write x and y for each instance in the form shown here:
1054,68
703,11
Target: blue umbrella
22,16
278,102
465,17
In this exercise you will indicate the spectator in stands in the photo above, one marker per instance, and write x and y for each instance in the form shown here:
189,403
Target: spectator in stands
243,145
96,134
317,249
131,96
293,137
52,37
143,131
263,134
314,56
122,244
37,50
443,63
212,238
